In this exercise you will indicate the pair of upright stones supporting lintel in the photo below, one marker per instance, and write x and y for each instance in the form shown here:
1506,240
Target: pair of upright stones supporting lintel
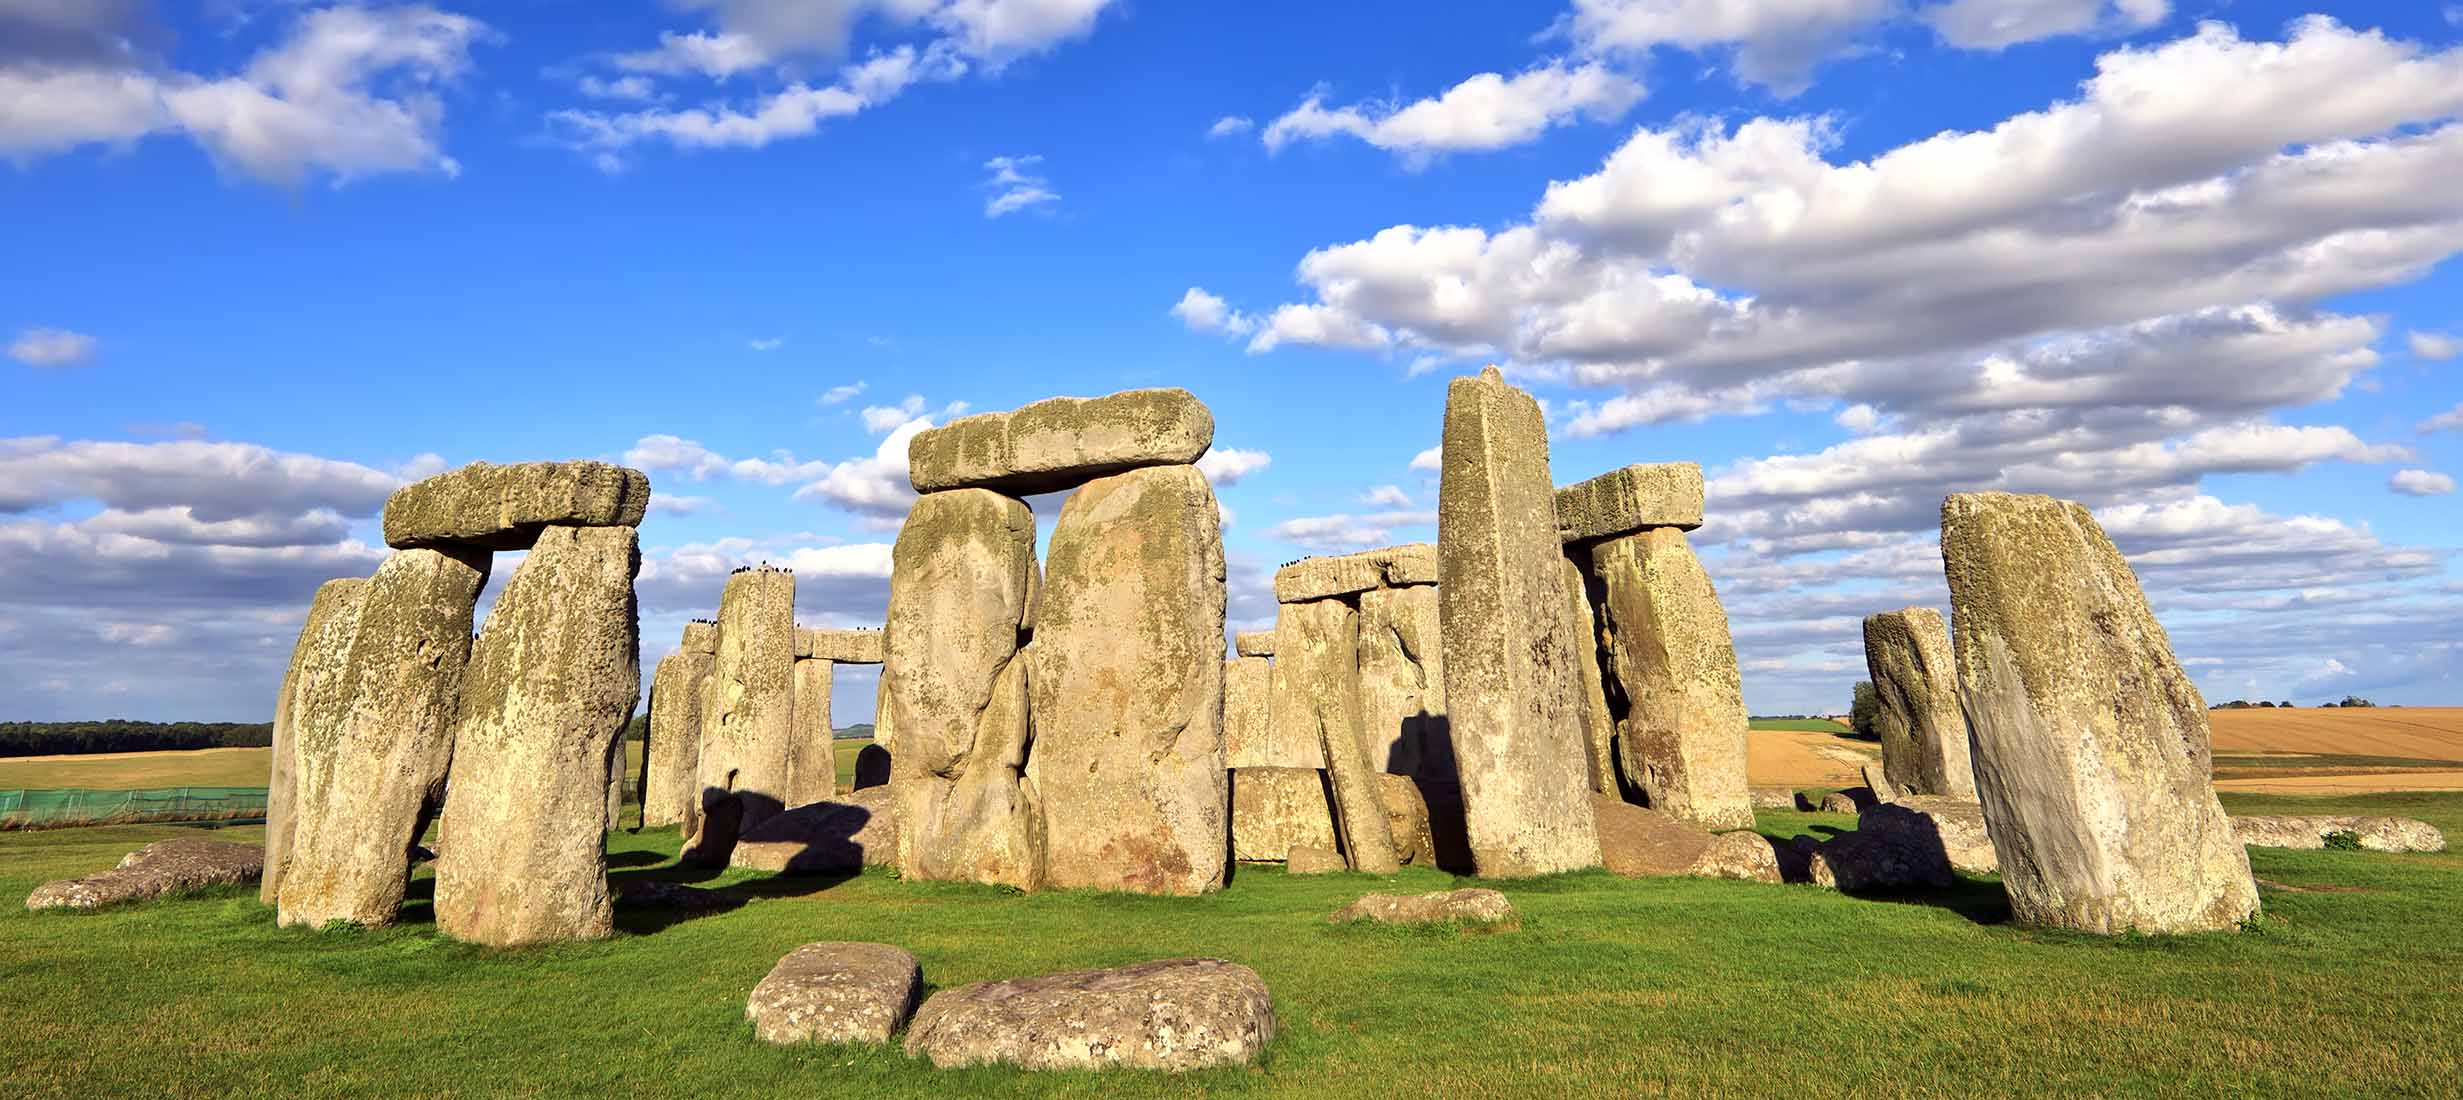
392,712
1060,726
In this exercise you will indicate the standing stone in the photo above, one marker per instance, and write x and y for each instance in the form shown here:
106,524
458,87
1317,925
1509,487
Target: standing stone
1248,683
551,685
2090,743
615,767
370,750
1923,735
1325,656
1291,726
323,649
1682,739
701,636
1598,723
953,690
1402,679
672,755
1512,678
748,726
1274,810
1128,686
815,777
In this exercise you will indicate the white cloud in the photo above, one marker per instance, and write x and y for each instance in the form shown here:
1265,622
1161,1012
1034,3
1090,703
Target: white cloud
675,505
841,394
1017,184
688,457
1388,496
1231,126
886,418
1486,111
1347,531
772,343
876,487
623,87
217,481
1430,460
2437,346
795,111
1994,24
52,347
1205,312
2420,483
1775,43
2448,421
1225,466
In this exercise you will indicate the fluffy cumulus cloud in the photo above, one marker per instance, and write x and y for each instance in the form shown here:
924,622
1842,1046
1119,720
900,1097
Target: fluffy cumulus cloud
874,488
1486,111
2420,483
1206,312
52,347
2437,346
1225,466
346,92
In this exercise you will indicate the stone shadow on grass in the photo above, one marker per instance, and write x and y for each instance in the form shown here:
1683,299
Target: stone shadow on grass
650,901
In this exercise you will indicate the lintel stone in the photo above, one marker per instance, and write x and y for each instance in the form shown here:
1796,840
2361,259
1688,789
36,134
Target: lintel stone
1629,499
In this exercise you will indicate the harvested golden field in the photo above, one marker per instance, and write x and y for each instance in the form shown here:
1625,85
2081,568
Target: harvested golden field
2420,733
1806,757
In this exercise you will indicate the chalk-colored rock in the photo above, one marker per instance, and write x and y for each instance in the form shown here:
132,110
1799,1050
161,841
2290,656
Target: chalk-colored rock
672,780
551,684
2378,834
836,993
505,507
701,636
1061,442
2090,744
1402,679
848,833
324,647
1325,656
748,735
953,691
1306,859
1406,819
177,866
1743,855
1682,738
1127,685
1248,685
1291,720
1468,906
1772,798
1923,735
814,777
1327,576
846,647
371,748
1253,643
1513,683
1633,498
1274,810
1175,1014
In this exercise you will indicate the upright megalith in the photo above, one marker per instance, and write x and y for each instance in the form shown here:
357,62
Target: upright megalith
1291,726
1325,656
953,690
748,716
2090,743
1598,722
814,776
1682,737
551,684
1127,686
1248,718
672,757
323,650
369,752
506,507
1512,677
1402,681
1923,735
1061,442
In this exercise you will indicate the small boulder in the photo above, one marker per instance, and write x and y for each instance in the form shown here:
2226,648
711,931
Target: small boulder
177,866
1841,802
1635,840
1953,825
846,833
1747,855
1888,860
1311,860
835,993
1773,798
1467,906
1176,1014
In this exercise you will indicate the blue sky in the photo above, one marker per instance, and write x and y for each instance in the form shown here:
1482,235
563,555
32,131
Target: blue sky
2187,261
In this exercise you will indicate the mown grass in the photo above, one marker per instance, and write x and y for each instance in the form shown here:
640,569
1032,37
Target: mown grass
1610,987
1814,725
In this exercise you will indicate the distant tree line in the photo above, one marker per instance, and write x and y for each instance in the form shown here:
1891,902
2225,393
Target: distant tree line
123,735
2244,704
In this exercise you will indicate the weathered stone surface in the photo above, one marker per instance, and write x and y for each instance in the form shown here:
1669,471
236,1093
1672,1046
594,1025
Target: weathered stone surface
1878,781
1741,855
672,762
1772,798
1127,686
1467,906
815,774
1598,723
1176,1014
1955,826
1635,840
505,507
1512,679
1682,737
1248,723
1406,818
1324,655
1841,802
1253,643
1061,442
848,833
2090,744
701,636
836,993
2378,834
551,684
1886,860
371,747
324,647
953,691
614,766
1923,735
748,734
846,647
1402,680
1274,810
1634,498
177,866
1291,740
1326,576
1308,859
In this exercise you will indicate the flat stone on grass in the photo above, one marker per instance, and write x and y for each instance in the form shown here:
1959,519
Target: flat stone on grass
836,993
1467,906
1175,1014
178,866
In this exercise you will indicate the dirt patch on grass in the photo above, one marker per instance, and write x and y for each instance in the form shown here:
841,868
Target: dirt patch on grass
1806,758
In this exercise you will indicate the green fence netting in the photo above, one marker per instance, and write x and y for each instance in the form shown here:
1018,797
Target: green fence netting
51,808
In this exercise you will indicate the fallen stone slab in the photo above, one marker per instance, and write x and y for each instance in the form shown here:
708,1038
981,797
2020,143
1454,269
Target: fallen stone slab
178,866
1061,442
1327,576
1254,643
1886,860
1634,498
1773,798
1636,840
836,993
847,833
1176,1014
1309,859
2377,834
1467,906
844,647
1954,825
505,507
1744,855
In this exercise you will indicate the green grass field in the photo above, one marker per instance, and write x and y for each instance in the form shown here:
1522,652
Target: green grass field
228,768
1816,725
2344,987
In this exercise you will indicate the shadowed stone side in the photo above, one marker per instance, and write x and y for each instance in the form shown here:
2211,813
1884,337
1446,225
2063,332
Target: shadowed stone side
1512,680
1923,736
1248,683
323,649
835,993
1274,810
815,777
505,507
1061,443
1402,679
372,745
748,715
1128,686
1682,739
1598,723
2090,743
953,690
1634,498
672,768
848,833
1178,1014
551,684
1325,656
